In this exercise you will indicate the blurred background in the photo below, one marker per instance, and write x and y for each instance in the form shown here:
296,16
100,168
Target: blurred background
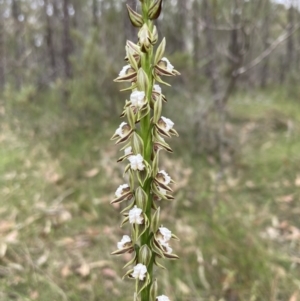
236,162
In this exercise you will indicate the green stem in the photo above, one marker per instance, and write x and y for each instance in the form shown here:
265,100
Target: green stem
146,128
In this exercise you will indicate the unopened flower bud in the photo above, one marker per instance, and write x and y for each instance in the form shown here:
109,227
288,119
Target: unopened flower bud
137,144
135,18
145,38
133,48
133,51
131,116
155,220
153,290
155,9
145,255
160,51
154,36
142,80
141,198
157,109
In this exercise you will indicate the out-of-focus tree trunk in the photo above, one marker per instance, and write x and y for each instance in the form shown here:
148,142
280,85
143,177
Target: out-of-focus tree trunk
56,7
2,51
211,51
76,6
49,39
17,46
298,52
266,37
95,13
181,22
215,90
290,42
234,47
212,71
66,41
282,69
196,39
290,49
238,46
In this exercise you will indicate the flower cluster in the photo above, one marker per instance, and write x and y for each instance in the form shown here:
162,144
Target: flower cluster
144,136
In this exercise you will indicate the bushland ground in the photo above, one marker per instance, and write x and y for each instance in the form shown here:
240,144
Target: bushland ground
240,235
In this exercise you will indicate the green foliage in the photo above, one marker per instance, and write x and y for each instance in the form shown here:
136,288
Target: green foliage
26,95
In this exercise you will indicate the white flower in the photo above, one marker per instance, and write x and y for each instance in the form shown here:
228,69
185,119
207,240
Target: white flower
167,178
119,191
125,239
166,234
168,249
128,150
137,98
123,72
157,88
162,191
139,271
168,123
162,298
135,216
136,162
170,67
119,130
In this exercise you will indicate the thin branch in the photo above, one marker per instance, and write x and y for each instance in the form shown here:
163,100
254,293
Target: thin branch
266,53
219,28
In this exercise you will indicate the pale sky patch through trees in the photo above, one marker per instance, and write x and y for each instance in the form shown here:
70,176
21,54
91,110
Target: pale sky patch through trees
288,2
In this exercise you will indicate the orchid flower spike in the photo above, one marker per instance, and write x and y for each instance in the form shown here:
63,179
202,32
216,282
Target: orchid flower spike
143,132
